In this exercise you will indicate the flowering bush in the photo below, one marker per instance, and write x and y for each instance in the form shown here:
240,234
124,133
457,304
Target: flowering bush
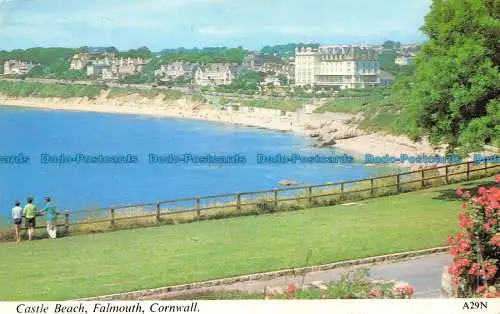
403,291
476,247
352,285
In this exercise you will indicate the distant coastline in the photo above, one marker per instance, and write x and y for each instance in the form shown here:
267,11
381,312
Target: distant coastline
343,136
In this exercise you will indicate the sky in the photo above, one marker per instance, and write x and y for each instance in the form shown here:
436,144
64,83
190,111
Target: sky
162,24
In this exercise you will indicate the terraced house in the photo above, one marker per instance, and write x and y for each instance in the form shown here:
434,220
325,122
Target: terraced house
336,67
214,74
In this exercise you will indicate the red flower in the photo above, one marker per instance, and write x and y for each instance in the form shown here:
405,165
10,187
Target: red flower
474,269
292,288
486,227
464,221
490,270
482,191
464,205
495,240
375,292
410,290
481,289
460,192
492,294
497,179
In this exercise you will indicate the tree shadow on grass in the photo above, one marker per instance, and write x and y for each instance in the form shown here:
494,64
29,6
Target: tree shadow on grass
472,187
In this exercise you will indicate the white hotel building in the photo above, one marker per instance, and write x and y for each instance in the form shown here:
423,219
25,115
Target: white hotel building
337,67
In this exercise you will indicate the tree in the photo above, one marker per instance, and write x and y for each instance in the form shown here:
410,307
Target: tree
287,50
457,84
389,44
142,52
206,55
386,59
283,80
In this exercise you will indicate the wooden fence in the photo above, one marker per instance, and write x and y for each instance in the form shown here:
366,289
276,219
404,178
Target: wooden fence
335,193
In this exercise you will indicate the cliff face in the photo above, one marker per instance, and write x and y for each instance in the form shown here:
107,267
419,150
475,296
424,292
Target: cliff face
105,102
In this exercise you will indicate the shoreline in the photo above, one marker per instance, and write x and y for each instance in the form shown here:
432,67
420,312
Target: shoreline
327,127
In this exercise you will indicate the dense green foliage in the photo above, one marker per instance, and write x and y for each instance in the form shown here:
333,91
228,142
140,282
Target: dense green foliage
389,44
25,89
286,51
208,55
246,82
142,52
146,77
455,93
117,92
387,57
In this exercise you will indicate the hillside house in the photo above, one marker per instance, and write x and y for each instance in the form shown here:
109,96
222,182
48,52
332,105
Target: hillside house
285,69
271,81
96,68
214,74
404,60
129,66
79,61
253,61
16,67
174,70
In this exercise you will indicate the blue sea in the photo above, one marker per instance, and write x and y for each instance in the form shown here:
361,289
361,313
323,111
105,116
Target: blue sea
79,186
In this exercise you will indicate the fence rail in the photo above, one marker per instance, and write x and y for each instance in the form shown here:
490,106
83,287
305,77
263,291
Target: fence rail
309,195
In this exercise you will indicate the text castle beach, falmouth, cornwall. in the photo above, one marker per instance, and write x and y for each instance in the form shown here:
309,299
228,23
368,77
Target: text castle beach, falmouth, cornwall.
107,307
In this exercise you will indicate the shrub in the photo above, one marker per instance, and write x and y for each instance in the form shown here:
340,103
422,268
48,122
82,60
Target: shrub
265,206
476,248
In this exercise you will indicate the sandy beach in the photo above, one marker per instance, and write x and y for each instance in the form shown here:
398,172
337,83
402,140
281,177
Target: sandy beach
328,127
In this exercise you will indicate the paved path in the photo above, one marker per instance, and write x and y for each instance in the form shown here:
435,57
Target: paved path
423,273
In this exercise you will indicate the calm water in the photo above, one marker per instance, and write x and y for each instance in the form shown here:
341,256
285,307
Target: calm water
76,187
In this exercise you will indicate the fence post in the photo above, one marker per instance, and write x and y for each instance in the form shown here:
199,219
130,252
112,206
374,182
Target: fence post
66,222
158,212
371,187
276,199
468,170
112,216
342,191
309,196
238,203
422,181
398,180
446,174
198,208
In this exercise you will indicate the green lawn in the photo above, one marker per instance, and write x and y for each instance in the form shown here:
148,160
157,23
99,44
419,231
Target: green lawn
91,265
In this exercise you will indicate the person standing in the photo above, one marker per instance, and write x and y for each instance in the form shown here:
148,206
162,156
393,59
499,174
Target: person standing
30,212
51,218
17,218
